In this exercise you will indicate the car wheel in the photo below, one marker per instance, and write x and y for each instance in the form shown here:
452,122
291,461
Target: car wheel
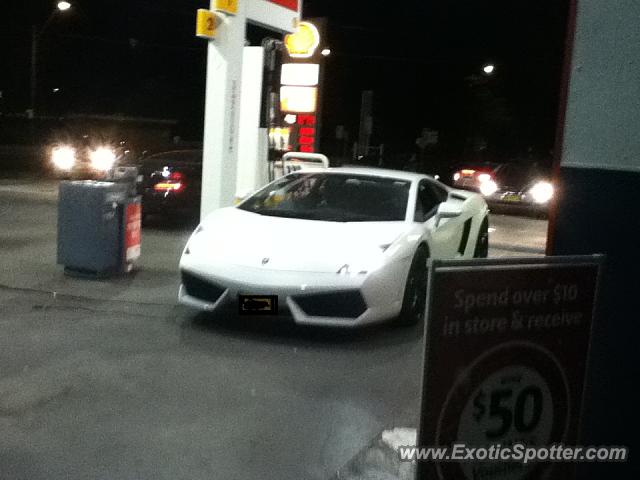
415,291
482,243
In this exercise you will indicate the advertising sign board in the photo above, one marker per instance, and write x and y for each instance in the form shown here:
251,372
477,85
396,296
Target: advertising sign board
505,360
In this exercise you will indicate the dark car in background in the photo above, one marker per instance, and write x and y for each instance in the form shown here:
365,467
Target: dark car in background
170,183
471,176
518,187
86,157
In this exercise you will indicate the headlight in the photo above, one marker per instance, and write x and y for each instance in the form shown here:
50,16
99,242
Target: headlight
194,240
488,188
542,192
102,158
354,269
63,158
484,177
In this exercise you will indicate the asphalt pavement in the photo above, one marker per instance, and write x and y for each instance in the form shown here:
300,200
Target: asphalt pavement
111,379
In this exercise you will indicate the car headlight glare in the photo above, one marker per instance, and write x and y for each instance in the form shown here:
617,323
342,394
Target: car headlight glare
63,158
542,192
488,188
103,158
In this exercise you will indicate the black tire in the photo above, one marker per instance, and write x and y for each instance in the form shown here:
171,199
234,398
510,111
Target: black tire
415,291
482,242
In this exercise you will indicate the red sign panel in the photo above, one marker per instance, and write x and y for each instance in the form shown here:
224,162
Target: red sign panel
307,134
306,119
290,4
133,236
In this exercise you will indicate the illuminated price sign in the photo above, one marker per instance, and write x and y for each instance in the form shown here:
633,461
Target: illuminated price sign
505,363
306,133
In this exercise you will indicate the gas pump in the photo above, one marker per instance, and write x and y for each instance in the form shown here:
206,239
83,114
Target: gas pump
297,161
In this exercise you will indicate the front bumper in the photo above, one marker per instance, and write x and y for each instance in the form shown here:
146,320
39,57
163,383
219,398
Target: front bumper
160,202
310,298
514,201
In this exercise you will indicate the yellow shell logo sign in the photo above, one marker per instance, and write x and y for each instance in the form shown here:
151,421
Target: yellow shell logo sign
304,42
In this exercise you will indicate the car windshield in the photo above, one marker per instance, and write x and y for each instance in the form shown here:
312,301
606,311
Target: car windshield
332,197
520,175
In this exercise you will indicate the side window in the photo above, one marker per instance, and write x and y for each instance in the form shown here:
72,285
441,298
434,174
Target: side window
427,202
440,192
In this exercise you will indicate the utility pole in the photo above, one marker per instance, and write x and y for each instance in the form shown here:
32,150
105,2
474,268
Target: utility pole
366,122
34,70
36,34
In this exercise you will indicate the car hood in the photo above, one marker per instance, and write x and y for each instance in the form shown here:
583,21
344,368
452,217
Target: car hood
234,236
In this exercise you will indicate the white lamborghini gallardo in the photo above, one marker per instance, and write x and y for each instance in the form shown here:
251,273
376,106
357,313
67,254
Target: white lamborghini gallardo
338,247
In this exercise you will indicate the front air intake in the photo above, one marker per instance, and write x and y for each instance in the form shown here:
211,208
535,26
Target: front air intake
342,304
201,289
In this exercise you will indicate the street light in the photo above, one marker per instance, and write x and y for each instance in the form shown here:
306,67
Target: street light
488,69
326,52
36,34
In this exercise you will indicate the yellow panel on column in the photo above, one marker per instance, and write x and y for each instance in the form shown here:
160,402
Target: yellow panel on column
206,24
229,7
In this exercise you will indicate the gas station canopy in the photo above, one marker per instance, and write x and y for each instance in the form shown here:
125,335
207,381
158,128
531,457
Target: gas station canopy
277,14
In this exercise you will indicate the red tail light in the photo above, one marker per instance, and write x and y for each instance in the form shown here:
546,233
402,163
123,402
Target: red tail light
168,187
175,183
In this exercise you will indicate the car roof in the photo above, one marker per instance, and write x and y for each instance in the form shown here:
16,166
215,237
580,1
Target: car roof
528,166
470,165
372,171
185,154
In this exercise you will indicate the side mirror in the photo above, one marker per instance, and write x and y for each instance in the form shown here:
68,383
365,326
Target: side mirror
445,211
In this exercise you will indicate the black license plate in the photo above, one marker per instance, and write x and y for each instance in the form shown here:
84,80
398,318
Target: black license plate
258,304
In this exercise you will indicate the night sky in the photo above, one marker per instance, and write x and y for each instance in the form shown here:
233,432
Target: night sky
422,59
